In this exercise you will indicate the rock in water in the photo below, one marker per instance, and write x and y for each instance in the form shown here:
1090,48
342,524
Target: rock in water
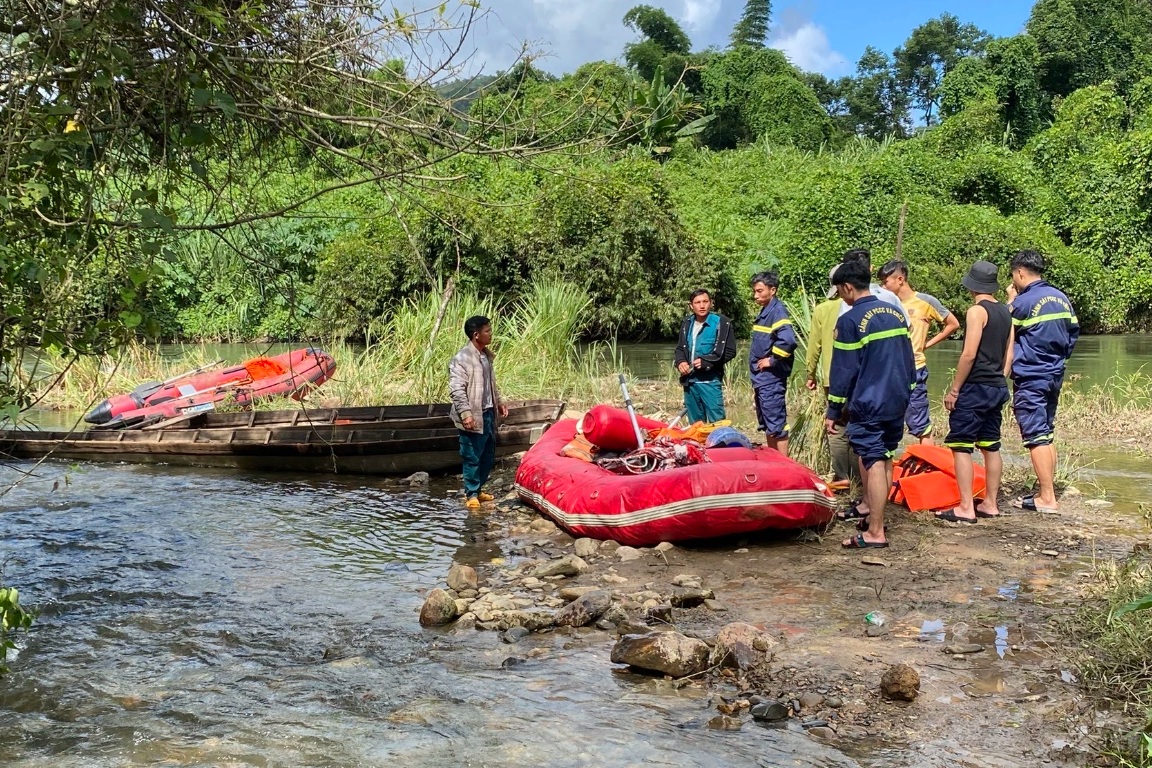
770,711
439,608
739,645
669,652
584,610
901,683
462,577
724,723
416,479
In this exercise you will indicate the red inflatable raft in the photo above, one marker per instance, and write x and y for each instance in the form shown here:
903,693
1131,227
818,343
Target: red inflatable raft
739,491
291,374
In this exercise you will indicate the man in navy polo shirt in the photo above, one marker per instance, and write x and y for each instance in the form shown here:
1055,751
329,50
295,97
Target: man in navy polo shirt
1046,330
873,373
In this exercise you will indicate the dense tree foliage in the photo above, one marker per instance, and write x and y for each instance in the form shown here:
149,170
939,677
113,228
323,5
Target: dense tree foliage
285,175
930,53
1086,42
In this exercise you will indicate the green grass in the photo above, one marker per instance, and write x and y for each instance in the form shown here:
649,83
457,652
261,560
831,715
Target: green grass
1116,657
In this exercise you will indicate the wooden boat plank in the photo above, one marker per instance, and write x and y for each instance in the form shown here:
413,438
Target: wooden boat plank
435,414
511,439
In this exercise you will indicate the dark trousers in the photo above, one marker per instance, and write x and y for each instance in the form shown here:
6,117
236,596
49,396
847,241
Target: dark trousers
479,453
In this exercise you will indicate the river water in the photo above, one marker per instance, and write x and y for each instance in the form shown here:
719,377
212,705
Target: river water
184,617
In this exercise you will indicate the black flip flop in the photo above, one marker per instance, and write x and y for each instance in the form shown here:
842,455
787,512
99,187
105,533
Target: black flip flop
986,516
852,513
862,524
1028,503
950,517
859,542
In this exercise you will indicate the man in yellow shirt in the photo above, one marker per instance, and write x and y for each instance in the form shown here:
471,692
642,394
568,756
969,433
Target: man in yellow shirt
845,467
923,311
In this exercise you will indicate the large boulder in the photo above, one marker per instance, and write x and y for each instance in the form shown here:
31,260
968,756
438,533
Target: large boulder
668,652
439,608
742,646
584,610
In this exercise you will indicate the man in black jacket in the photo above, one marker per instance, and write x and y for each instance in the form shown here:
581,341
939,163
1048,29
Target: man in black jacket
706,344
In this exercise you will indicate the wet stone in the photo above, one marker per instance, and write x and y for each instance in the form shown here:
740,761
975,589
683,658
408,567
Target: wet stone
810,700
514,635
736,646
823,733
584,610
439,608
724,723
667,652
770,711
462,577
960,649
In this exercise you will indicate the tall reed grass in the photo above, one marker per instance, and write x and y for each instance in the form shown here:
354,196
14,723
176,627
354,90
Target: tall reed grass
536,340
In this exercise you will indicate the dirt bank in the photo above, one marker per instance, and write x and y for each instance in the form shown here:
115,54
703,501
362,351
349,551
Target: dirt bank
998,590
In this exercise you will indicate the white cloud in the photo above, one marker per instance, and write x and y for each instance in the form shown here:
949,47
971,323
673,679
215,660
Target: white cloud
806,44
568,33
699,16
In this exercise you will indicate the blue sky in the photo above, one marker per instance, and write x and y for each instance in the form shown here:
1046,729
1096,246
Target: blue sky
819,35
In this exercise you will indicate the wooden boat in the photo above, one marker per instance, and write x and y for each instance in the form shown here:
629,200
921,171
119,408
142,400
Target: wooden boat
370,447
427,416
292,374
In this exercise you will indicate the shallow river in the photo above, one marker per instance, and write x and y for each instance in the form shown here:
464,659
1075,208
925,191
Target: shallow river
185,615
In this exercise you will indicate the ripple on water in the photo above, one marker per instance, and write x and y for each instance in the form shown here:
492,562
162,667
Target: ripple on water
185,615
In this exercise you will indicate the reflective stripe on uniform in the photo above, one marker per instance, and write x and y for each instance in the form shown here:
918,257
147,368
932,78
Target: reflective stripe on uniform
1044,319
771,328
835,399
780,352
889,334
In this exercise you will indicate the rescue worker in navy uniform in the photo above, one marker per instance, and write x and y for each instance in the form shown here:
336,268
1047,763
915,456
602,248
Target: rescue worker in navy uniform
873,374
707,343
770,360
1046,330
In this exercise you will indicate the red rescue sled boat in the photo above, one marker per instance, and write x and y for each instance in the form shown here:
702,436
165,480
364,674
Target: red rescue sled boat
291,374
739,491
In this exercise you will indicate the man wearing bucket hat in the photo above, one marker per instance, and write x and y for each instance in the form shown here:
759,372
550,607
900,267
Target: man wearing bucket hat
979,391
